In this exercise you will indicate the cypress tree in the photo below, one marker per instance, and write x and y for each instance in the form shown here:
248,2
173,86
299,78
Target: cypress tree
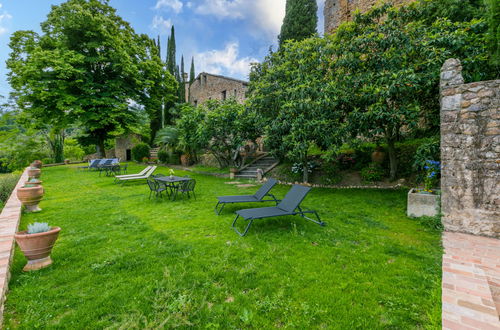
171,65
300,22
191,72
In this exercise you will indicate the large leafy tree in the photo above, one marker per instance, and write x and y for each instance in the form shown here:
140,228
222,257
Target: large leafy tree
81,69
300,22
159,86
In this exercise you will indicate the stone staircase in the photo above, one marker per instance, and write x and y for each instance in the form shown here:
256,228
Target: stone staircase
153,153
266,163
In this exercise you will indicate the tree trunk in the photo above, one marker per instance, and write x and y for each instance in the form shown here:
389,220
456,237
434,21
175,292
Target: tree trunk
305,174
392,158
101,152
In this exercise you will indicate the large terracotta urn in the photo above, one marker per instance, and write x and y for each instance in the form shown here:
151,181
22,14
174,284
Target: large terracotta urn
37,247
185,160
30,195
33,181
378,156
37,164
34,172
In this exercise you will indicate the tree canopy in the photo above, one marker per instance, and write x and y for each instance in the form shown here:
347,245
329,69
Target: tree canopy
300,22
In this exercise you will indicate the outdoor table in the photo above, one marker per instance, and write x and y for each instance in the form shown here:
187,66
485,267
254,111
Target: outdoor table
172,182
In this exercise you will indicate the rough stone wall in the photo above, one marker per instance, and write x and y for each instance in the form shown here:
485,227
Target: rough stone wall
211,87
123,143
338,11
470,153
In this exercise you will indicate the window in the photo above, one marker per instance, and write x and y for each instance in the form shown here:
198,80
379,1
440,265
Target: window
195,103
205,79
224,95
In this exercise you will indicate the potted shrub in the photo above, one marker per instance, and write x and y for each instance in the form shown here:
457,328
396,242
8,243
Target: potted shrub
36,244
185,160
34,172
30,195
67,161
33,181
425,202
37,164
171,173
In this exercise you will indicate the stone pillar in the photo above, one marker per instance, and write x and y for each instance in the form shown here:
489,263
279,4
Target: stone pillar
186,86
470,153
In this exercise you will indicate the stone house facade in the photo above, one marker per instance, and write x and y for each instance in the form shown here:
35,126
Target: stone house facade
338,11
214,87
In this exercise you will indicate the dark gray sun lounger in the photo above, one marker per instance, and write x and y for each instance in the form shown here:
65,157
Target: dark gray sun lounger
257,197
290,205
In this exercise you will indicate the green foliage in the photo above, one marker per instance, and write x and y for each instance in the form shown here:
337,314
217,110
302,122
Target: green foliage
300,22
7,184
493,17
191,132
163,156
168,137
140,151
171,52
192,74
372,173
330,173
83,68
72,150
426,150
38,227
227,127
432,171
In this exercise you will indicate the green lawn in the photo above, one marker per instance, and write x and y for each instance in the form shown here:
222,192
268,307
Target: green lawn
123,261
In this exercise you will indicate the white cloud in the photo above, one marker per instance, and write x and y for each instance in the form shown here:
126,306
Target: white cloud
175,5
160,24
4,16
224,61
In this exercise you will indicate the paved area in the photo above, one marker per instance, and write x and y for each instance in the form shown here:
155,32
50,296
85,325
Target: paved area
471,282
9,221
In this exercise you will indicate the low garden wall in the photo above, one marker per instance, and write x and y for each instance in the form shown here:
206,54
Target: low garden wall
9,222
470,153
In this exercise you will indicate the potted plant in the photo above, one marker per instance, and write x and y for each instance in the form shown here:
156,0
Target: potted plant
36,244
34,172
33,181
37,163
67,161
185,160
30,195
171,172
425,202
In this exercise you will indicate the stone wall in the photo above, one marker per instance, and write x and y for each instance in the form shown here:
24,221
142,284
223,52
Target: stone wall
470,153
338,11
124,143
212,87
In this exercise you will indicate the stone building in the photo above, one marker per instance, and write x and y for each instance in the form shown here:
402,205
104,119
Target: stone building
338,11
214,87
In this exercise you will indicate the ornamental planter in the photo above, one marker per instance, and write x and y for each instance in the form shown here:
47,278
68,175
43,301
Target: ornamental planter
37,247
34,172
35,182
185,160
37,164
30,197
422,204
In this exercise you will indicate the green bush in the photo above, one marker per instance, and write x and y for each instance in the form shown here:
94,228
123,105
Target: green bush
174,158
72,150
331,173
427,151
140,151
372,173
163,156
7,184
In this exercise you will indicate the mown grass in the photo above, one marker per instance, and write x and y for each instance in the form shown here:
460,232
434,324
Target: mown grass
123,261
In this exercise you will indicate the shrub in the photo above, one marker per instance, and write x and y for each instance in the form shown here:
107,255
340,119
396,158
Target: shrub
38,227
428,150
7,184
72,150
140,151
174,158
331,173
163,156
372,173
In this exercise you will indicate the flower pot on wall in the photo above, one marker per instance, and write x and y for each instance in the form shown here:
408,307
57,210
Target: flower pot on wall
34,172
30,196
422,204
37,164
37,247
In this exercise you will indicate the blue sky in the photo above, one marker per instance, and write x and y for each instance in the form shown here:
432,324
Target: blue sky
224,36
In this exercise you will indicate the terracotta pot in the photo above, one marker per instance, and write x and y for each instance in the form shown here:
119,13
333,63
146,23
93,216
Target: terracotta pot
34,172
35,183
66,161
378,156
233,170
30,197
185,160
37,247
37,164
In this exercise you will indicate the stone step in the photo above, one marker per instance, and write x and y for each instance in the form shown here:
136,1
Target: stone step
249,176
